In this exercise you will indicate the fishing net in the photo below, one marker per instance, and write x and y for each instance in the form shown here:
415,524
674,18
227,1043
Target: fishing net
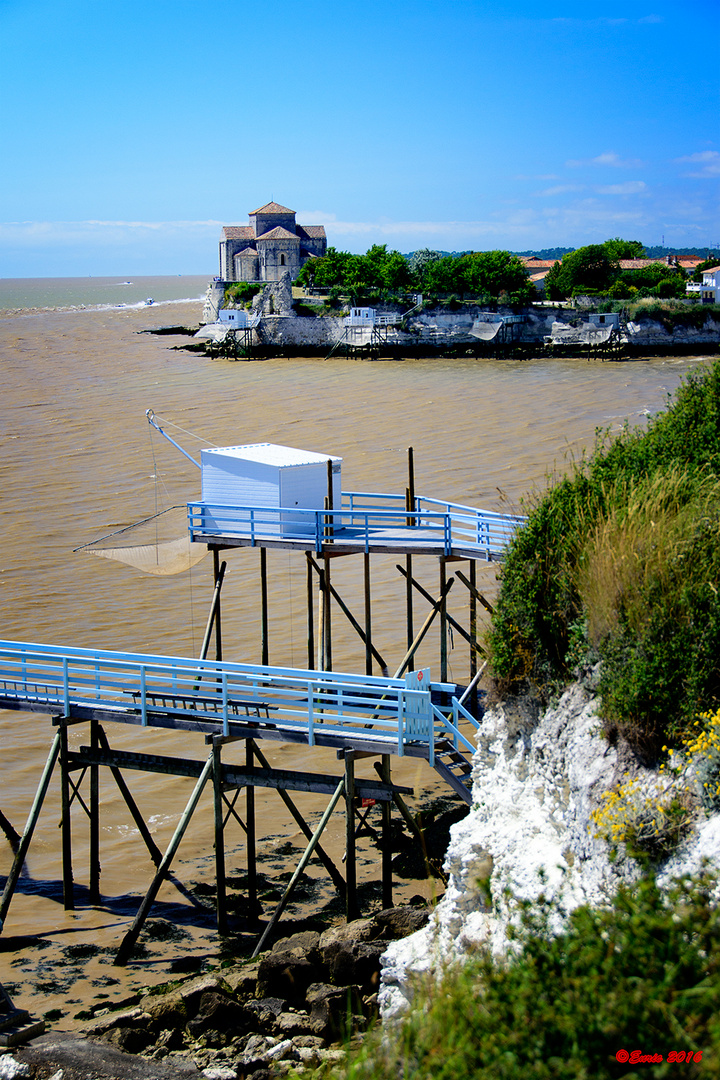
151,545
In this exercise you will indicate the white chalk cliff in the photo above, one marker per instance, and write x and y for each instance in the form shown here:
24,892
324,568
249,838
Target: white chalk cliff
537,777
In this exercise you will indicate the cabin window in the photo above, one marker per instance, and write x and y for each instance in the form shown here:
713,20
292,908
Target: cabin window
282,260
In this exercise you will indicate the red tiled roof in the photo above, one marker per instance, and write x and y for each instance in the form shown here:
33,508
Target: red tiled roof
239,232
531,263
313,232
272,208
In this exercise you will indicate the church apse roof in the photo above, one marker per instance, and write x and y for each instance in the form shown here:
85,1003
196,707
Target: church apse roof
278,233
272,208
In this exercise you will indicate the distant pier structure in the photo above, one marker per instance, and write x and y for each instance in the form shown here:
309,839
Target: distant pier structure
265,495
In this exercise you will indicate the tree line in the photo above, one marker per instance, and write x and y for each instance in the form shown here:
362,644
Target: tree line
595,270
487,276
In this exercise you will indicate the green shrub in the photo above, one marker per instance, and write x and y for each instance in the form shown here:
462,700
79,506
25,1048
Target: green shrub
242,292
640,974
628,545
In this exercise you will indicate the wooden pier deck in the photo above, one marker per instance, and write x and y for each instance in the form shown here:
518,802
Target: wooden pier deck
367,522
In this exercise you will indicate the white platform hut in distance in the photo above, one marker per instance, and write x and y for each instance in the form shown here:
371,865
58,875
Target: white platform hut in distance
272,476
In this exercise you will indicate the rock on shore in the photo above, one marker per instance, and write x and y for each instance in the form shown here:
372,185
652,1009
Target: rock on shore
288,1009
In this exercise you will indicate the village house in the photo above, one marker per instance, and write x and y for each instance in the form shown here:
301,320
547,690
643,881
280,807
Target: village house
271,245
710,288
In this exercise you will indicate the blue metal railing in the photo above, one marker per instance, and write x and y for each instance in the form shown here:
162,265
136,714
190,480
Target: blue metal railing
366,519
394,711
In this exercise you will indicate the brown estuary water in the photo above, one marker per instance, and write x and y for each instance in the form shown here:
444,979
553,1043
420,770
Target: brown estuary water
79,460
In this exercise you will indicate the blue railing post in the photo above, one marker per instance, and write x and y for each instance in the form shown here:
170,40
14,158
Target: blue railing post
143,698
66,686
226,722
311,715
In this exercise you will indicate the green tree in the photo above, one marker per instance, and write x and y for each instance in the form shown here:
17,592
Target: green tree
492,273
588,268
624,249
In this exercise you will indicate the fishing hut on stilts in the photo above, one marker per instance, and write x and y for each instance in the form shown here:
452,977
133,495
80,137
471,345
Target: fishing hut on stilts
268,496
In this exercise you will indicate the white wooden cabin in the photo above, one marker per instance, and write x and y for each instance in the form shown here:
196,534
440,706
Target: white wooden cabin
272,476
233,317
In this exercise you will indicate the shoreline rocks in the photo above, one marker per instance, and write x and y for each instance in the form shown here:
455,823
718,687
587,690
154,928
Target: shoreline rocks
288,1009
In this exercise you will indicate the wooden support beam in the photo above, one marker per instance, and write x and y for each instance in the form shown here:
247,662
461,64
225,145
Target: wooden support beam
386,854
65,823
351,903
220,892
368,613
218,574
264,607
443,623
13,837
153,849
301,866
350,617
310,613
452,622
335,876
473,635
432,865
423,630
133,933
250,833
473,588
94,840
23,846
327,617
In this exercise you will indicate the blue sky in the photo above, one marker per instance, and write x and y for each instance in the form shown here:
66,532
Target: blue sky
133,131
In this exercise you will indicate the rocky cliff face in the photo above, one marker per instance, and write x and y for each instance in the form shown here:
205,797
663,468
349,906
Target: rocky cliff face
537,777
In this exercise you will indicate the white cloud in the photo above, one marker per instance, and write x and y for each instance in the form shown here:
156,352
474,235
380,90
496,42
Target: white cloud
631,187
559,189
609,159
708,160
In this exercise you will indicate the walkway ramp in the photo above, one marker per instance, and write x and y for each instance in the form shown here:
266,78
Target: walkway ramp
370,714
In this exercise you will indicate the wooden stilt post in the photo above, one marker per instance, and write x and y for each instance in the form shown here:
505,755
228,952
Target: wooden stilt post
310,613
94,892
443,623
327,624
162,871
250,831
23,846
409,606
410,505
220,893
264,605
351,903
65,823
218,576
321,623
368,614
387,892
473,703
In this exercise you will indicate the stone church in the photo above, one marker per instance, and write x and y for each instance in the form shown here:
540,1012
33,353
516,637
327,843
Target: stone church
269,246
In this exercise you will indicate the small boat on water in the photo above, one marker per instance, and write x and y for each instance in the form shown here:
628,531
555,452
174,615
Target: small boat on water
149,301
